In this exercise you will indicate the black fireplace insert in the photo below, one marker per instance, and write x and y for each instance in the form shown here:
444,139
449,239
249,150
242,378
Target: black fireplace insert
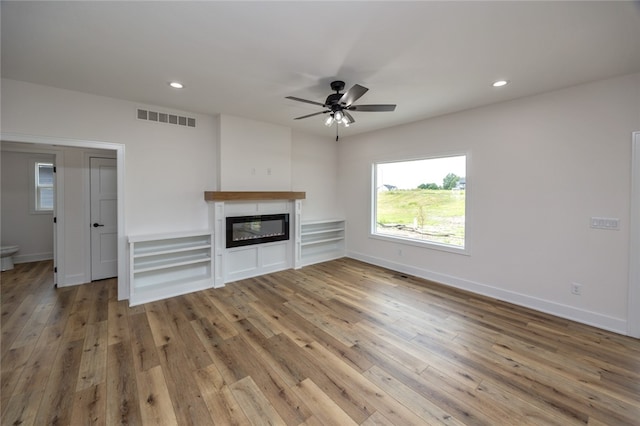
248,230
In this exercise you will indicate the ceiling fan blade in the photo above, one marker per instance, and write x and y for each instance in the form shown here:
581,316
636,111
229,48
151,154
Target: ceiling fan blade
353,94
311,115
387,107
304,100
349,117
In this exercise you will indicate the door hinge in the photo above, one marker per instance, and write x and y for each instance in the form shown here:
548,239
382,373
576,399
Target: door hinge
55,219
54,169
55,269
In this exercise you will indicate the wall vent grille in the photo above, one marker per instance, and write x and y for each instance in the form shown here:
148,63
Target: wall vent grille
163,117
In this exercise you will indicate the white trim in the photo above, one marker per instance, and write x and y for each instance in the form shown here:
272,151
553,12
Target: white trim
58,213
373,194
617,325
297,240
422,244
123,276
633,310
35,257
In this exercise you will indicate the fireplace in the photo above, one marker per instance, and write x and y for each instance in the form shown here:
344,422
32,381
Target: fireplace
249,230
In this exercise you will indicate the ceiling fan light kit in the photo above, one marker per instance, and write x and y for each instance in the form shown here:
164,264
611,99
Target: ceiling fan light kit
338,105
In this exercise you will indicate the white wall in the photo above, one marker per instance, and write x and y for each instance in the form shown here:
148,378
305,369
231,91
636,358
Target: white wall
539,168
32,232
297,162
315,171
168,167
254,156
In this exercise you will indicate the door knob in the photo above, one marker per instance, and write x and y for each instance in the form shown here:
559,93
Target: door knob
95,225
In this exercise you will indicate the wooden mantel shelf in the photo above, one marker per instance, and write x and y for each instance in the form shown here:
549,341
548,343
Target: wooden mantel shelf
253,195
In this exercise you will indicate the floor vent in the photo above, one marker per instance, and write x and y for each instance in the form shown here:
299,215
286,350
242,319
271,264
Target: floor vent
163,117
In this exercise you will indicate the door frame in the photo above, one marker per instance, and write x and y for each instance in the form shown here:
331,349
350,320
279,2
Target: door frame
123,275
633,309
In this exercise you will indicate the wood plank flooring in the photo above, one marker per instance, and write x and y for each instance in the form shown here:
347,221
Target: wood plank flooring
337,343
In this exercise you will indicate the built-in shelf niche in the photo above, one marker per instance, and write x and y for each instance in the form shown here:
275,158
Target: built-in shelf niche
167,265
320,241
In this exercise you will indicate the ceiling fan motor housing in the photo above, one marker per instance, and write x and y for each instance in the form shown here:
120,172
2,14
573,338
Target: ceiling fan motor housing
337,85
333,100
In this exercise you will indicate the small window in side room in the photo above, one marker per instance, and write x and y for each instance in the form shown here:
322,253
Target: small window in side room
421,202
43,187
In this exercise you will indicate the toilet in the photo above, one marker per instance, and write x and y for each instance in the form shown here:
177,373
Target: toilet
6,257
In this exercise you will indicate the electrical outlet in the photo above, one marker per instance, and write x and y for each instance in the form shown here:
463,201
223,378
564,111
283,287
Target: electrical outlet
610,223
576,289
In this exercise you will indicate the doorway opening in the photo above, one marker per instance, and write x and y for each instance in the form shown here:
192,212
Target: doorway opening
28,208
62,261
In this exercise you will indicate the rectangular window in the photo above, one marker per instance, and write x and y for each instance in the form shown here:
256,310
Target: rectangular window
421,201
43,187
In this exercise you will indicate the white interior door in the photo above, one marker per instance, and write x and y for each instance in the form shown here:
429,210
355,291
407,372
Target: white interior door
104,219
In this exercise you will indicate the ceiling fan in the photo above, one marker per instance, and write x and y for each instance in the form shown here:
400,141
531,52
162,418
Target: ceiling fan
339,104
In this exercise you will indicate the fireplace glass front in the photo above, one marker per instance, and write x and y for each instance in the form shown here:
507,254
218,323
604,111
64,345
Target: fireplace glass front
248,230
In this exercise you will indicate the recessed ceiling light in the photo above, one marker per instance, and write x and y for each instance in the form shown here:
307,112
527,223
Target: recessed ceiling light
176,85
500,83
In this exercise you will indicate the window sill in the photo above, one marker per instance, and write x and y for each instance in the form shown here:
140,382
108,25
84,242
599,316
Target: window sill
427,245
49,212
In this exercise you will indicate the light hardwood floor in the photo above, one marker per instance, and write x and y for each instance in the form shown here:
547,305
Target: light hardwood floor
337,343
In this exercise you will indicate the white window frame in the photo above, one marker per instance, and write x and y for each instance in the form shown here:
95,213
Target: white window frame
414,242
34,188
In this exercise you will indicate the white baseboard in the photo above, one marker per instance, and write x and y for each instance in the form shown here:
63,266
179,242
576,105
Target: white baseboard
616,325
35,257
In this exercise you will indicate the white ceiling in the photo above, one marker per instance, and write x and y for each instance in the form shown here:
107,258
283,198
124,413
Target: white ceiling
243,58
